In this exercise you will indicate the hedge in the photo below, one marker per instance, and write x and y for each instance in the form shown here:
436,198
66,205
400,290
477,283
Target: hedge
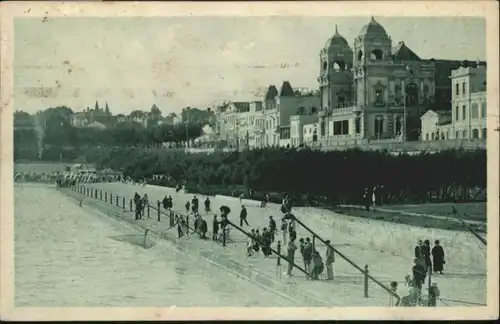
310,176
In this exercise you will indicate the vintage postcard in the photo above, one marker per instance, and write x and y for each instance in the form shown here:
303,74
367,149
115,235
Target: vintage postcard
249,160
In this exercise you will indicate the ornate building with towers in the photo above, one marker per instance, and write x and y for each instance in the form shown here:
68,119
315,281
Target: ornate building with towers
369,90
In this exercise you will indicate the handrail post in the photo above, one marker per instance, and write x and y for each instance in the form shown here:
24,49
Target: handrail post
279,251
100,194
105,196
117,202
224,225
111,198
187,224
159,210
95,193
145,236
172,218
131,204
148,209
429,285
366,280
123,202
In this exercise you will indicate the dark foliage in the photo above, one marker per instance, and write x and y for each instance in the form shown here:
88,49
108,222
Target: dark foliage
311,176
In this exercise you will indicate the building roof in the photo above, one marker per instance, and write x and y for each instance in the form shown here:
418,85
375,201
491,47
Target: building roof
241,106
336,42
271,93
373,28
401,52
286,90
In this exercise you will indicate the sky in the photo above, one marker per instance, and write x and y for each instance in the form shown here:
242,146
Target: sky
174,62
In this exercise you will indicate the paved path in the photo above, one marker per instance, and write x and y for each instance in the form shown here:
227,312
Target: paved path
386,248
346,289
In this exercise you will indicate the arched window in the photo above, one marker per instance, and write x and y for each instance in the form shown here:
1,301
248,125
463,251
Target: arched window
360,55
377,55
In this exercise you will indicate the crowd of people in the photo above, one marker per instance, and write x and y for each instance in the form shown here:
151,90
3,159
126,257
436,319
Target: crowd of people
426,262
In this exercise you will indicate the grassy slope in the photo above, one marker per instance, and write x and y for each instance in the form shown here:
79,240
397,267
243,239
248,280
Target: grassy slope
467,212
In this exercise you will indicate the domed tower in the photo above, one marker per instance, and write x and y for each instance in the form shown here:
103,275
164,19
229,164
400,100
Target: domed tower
372,49
335,78
335,72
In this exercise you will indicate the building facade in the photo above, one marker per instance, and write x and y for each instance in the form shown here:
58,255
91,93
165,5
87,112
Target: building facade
280,107
373,90
468,116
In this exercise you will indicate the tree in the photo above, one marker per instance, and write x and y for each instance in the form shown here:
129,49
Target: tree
137,114
22,119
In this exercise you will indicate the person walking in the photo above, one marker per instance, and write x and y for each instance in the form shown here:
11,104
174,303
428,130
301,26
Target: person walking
330,259
284,230
438,257
188,206
243,216
291,248
272,228
308,252
215,227
426,252
207,205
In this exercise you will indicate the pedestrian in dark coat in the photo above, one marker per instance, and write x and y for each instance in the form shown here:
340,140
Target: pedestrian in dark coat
426,252
438,257
215,227
272,227
243,216
419,274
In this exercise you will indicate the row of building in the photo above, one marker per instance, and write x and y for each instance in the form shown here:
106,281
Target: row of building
101,118
371,91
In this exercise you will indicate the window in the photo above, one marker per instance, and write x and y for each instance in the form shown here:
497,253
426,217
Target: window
313,110
475,133
345,127
463,88
463,112
483,133
456,113
379,96
474,111
357,125
301,110
483,109
426,136
337,128
457,89
464,134
457,134
379,125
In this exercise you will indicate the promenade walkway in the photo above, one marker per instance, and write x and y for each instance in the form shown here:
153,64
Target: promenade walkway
386,249
395,211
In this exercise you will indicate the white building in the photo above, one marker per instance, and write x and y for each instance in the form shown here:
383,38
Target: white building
279,107
241,124
298,125
467,120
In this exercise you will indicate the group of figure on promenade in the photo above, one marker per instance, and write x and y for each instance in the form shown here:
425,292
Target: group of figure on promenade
426,262
374,197
141,203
